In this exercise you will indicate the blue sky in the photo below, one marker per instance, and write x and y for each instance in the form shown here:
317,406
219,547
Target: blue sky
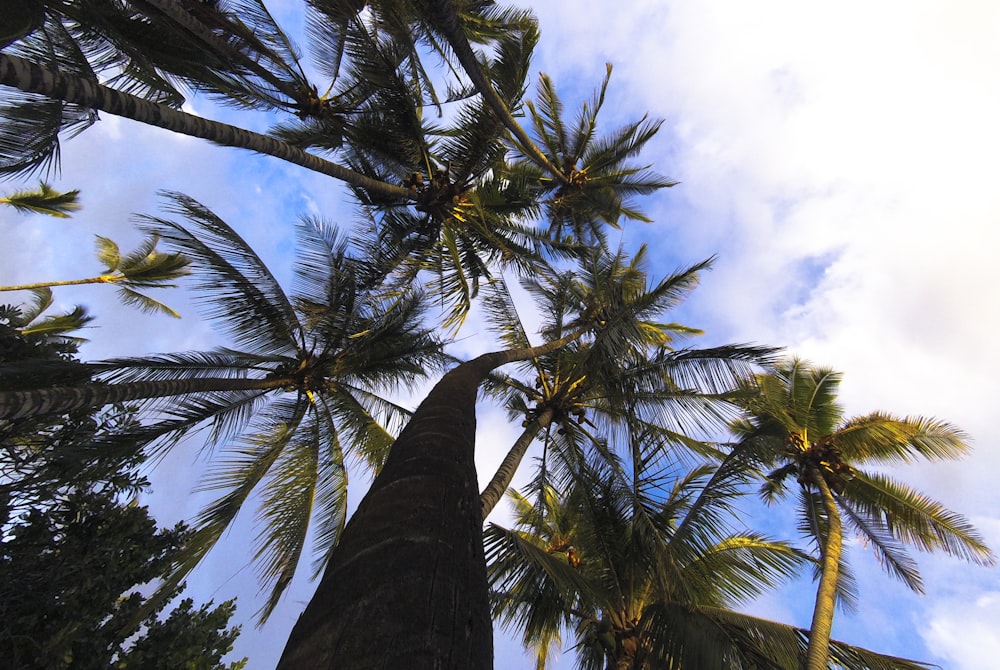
840,160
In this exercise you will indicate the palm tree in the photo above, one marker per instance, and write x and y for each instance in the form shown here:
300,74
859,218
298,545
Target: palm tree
464,223
38,348
796,426
422,515
445,29
642,561
306,387
446,18
599,179
28,318
241,57
143,268
576,395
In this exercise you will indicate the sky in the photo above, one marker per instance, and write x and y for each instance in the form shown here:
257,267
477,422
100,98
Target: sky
839,161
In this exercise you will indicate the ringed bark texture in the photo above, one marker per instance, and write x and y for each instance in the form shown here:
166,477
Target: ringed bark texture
818,653
406,586
34,78
56,399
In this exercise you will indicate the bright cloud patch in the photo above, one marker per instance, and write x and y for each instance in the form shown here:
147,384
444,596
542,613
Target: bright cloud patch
964,634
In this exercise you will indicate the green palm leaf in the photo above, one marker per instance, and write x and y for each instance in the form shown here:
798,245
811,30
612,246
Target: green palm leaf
882,438
235,287
915,519
44,200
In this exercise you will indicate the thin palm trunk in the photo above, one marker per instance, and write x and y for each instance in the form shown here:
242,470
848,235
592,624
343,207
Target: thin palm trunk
818,653
505,473
406,585
34,78
102,279
56,400
447,21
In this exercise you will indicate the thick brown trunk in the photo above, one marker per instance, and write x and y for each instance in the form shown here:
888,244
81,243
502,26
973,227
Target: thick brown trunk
56,400
34,78
406,585
818,653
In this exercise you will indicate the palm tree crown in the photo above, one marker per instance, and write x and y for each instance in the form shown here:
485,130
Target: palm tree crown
797,428
305,385
629,374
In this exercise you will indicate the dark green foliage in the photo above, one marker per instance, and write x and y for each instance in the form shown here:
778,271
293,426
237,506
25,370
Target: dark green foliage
40,455
646,563
66,570
72,551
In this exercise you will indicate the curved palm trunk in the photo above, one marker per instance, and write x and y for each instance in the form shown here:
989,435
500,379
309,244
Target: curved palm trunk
446,19
59,399
818,653
505,473
34,78
406,585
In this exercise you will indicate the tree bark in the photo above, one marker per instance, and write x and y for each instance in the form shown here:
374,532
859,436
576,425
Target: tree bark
818,653
406,585
34,78
59,399
505,473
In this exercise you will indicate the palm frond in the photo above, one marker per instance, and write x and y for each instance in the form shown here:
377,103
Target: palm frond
288,495
914,518
44,200
890,553
233,283
145,303
880,437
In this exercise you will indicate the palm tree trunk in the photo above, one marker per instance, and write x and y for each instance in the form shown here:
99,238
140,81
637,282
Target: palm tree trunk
446,19
56,400
505,473
406,585
818,653
35,78
103,279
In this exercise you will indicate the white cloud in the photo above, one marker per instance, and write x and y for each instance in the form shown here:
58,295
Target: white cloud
964,634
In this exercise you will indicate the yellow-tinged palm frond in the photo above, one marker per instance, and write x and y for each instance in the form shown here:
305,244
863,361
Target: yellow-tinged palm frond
614,550
31,322
44,200
796,427
880,437
143,268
